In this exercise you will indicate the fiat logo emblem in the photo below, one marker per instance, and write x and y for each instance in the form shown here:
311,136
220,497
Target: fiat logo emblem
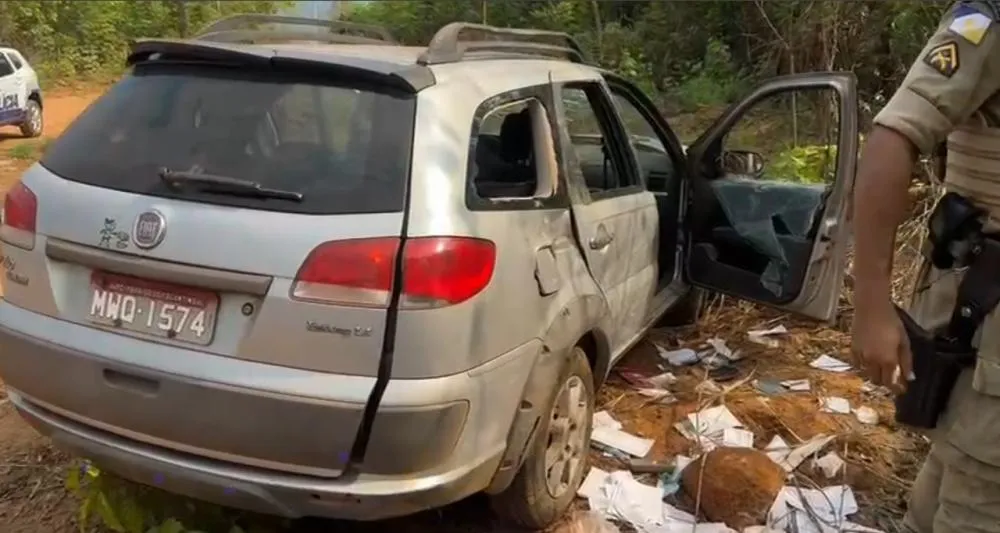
149,230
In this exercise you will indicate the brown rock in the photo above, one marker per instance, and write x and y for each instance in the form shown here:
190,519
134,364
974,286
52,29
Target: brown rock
738,485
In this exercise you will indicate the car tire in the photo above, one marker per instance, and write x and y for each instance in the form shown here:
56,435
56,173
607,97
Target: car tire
33,122
685,312
533,501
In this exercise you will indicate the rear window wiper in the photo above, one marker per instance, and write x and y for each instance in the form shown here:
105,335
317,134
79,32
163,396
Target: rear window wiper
226,185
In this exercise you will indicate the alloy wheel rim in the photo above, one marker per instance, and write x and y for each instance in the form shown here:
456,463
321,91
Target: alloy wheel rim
566,437
35,118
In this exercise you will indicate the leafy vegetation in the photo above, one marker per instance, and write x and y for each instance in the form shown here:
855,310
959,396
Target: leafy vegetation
808,163
693,53
702,53
119,506
69,39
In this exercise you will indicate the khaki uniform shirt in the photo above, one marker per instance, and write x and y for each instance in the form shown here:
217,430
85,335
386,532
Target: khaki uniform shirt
955,80
952,92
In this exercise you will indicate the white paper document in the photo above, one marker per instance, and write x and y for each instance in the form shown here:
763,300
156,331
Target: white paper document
830,364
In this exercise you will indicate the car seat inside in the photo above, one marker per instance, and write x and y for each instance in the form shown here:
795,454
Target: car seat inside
506,163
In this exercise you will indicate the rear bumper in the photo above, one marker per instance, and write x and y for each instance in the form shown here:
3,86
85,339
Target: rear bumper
288,495
266,438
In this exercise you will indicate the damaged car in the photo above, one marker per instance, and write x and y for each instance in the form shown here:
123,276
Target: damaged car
324,274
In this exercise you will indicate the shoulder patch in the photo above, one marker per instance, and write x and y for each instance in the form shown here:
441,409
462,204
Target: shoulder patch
990,8
944,58
970,24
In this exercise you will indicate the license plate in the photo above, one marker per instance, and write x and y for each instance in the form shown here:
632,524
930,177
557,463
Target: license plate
153,308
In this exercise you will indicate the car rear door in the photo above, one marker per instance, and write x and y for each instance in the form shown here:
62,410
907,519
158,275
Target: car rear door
606,209
767,225
660,159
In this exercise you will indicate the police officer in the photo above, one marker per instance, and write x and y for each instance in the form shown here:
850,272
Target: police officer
952,94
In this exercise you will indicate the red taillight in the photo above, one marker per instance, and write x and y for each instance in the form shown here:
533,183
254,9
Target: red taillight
445,270
437,271
355,272
20,211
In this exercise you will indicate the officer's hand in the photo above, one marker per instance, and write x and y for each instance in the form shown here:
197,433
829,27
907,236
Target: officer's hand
879,344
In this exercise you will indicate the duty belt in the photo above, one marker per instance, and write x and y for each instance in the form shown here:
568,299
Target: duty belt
957,241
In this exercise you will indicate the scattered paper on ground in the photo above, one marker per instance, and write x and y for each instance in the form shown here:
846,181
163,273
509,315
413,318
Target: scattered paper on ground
825,510
796,454
619,496
737,438
836,404
830,364
766,336
778,401
866,415
708,426
713,421
607,431
682,357
721,348
831,464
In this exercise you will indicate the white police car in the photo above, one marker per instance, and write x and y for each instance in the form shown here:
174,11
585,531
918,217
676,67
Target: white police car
20,94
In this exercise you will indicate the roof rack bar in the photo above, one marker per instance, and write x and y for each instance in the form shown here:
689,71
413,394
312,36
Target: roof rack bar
271,36
522,50
447,45
242,21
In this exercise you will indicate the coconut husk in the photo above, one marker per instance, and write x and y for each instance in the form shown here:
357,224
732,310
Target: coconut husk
738,485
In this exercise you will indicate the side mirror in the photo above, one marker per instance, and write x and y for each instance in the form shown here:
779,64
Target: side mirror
743,162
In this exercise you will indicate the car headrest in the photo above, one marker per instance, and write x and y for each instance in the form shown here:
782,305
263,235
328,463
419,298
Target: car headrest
516,136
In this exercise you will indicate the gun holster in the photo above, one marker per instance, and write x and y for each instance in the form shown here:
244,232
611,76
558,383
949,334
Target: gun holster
954,228
937,364
957,241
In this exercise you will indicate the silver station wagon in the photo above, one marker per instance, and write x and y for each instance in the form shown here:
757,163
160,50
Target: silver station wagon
311,272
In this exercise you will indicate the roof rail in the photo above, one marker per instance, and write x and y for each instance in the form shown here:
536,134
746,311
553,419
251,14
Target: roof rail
448,46
244,28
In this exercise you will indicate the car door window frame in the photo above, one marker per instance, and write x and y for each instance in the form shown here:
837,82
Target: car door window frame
16,60
599,98
824,272
559,199
10,65
649,112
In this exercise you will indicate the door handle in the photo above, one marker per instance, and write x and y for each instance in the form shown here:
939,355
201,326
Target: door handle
602,239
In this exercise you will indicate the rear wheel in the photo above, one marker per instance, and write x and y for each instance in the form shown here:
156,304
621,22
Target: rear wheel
32,125
552,472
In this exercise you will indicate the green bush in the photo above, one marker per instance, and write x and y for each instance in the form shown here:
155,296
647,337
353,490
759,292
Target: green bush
807,164
714,82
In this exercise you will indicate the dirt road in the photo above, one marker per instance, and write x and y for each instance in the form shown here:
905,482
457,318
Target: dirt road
60,108
881,459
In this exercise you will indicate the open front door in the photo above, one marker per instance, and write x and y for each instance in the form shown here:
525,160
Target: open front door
770,184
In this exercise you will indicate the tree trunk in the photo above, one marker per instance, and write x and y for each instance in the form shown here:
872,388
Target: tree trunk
182,18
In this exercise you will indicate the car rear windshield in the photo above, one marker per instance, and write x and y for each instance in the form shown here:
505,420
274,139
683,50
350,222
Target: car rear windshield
345,147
